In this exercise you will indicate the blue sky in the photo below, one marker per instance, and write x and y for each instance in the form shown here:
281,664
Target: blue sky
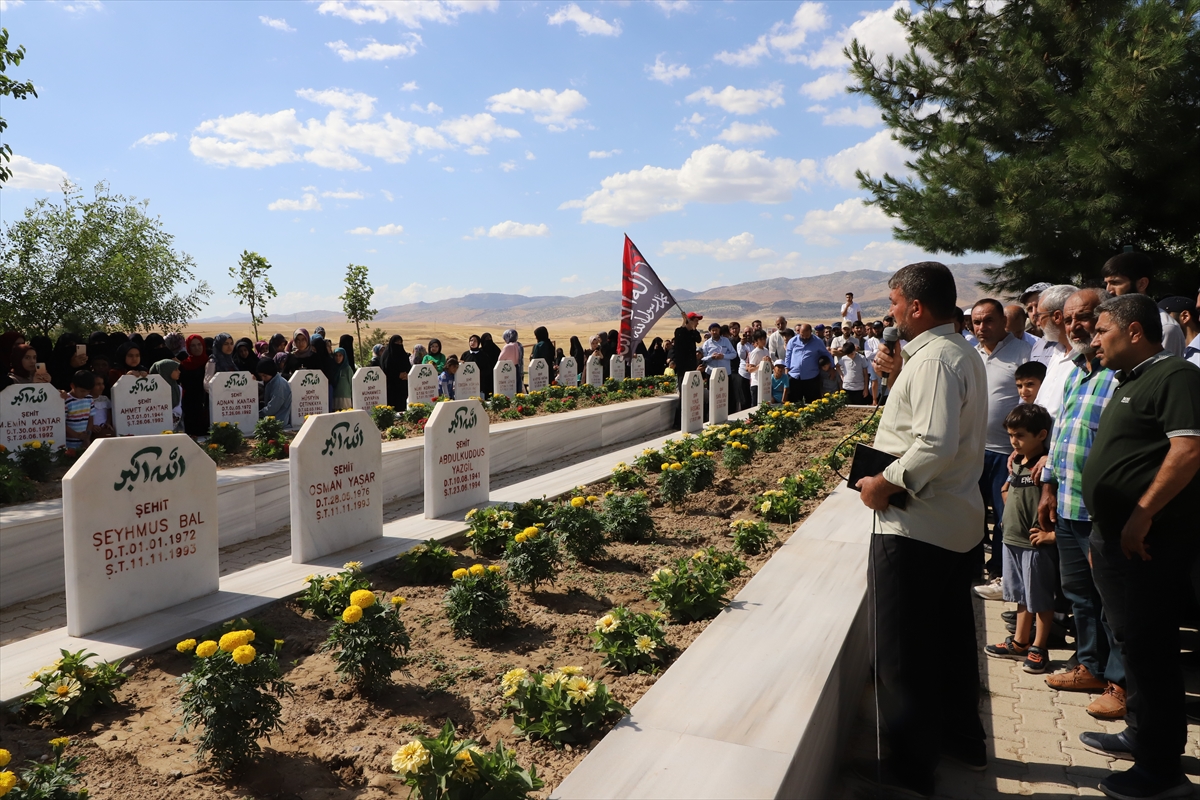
465,146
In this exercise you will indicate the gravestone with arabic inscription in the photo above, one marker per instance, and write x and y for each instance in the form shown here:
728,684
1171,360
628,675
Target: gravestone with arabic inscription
141,406
504,379
718,396
692,403
466,381
310,395
368,388
594,371
568,372
423,384
233,398
765,373
457,458
637,366
616,367
32,412
539,374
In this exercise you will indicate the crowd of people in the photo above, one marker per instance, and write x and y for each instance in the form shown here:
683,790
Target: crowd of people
1071,419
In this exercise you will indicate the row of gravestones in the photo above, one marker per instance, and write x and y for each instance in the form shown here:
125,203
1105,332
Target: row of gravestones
691,400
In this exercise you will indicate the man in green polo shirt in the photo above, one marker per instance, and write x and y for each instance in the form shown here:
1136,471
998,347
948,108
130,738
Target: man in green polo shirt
1140,483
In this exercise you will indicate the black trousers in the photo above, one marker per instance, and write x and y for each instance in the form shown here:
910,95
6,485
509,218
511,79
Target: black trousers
1145,603
804,391
925,707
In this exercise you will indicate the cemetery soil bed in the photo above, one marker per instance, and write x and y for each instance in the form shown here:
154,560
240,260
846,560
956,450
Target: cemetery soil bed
338,744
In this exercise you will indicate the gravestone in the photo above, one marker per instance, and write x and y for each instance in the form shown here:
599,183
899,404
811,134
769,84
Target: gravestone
718,396
423,384
637,367
368,388
233,398
141,406
692,403
32,412
594,371
310,395
336,482
139,529
539,375
616,367
764,382
457,457
466,381
568,372
504,376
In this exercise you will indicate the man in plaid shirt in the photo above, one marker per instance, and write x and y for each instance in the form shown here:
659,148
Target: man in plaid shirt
1088,389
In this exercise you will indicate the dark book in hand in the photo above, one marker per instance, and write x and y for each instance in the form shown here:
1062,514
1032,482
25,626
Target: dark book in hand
869,462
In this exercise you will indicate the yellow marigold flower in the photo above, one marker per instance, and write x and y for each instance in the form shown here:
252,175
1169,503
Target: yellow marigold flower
607,624
494,568
410,758
186,646
398,600
648,451
520,538
235,639
578,502
363,598
665,467
591,498
609,493
459,574
353,566
539,525
531,531
477,570
580,689
246,653
5,757
644,645
676,467
8,781
206,648
513,677
697,453
472,513
351,615
466,770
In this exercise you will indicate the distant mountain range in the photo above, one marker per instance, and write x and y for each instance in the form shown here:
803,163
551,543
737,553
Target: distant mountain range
813,298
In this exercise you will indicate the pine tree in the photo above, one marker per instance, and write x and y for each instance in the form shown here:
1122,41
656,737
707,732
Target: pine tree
1054,132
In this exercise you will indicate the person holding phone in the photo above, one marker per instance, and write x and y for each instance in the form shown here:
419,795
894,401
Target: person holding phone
24,366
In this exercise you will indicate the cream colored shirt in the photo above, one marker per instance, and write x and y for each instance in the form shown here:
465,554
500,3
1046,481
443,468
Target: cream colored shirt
935,420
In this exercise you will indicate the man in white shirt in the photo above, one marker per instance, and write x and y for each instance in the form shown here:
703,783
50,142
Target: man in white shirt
1129,273
856,379
851,313
935,422
776,343
840,341
1058,361
1183,311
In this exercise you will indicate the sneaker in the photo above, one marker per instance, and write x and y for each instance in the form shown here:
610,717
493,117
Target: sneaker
1138,783
1036,660
879,779
1007,649
1079,679
992,590
1009,617
1110,705
1113,745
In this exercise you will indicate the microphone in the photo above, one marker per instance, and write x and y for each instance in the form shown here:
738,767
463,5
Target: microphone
891,336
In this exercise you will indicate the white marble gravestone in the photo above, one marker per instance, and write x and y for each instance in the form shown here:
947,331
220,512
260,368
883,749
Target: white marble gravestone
718,396
369,388
457,458
466,381
310,395
594,371
637,367
141,406
32,412
233,398
692,403
568,372
504,377
539,374
765,373
423,384
616,367
139,529
336,484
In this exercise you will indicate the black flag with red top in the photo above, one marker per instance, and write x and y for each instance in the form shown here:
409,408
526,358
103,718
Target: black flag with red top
644,299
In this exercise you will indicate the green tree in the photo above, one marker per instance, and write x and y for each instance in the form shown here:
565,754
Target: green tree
356,300
1054,132
13,89
104,263
253,287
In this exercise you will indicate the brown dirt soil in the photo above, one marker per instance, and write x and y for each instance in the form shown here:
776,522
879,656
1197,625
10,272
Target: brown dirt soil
337,744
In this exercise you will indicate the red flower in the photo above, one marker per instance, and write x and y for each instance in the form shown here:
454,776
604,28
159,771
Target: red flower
70,451
270,441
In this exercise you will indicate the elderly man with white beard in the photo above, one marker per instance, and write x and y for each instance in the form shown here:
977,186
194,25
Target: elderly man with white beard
1059,364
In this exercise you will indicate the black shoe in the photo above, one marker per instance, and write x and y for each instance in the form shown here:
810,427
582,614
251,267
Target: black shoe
1009,617
1113,745
967,753
881,780
1137,783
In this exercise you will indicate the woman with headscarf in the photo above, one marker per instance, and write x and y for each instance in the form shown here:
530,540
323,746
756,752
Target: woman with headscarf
341,384
376,352
175,345
597,345
418,354
580,355
44,347
244,355
23,361
221,360
395,363
168,369
276,344
302,355
435,356
191,382
544,348
66,360
155,349
472,353
656,357
489,354
9,340
512,352
127,361
346,342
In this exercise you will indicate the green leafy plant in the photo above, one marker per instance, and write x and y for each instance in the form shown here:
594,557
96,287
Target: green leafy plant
624,477
691,589
216,452
533,556
327,595
626,518
736,455
270,441
233,692
499,402
559,706
490,529
15,486
768,437
535,511
394,432
35,459
416,412
427,563
650,460
477,603
632,641
54,779
72,689
368,642
384,417
728,565
227,435
578,527
261,630
444,767
750,536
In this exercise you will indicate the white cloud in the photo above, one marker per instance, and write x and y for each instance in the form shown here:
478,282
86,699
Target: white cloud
748,56
876,155
876,30
383,230
825,86
741,132
712,174
513,230
603,153
508,166
362,105
409,86
416,293
307,202
477,150
447,169
740,101
784,39
669,7
5,5
277,24
850,216
428,108
569,279
736,248
410,14
29,174
864,116
479,128
376,51
81,6
587,24
550,108
362,230
688,125
151,139
387,195
667,73
341,194
529,156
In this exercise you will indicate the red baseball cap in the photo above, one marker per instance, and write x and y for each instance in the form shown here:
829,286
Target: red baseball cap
694,315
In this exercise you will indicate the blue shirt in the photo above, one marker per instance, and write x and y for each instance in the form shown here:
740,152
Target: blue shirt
277,401
723,346
801,357
446,385
777,387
